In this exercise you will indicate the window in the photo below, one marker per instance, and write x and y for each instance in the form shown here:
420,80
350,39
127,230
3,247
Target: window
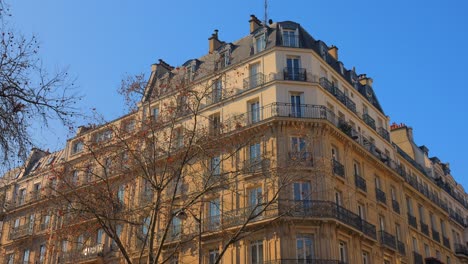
145,226
433,221
118,232
427,251
224,59
301,191
217,91
10,258
42,251
255,76
357,168
438,255
293,69
216,165
176,227
214,212
155,113
22,196
398,232
174,259
335,153
343,251
215,124
213,256
64,246
129,126
365,257
103,135
338,198
415,245
296,105
361,211
260,43
304,249
77,147
255,200
178,138
100,236
254,152
45,222
75,177
298,147
421,213
256,252
393,193
382,223
409,206
290,38
377,183
254,108
80,242
442,228
26,256
121,193
448,260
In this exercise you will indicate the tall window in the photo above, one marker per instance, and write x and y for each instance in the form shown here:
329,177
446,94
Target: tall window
361,211
216,165
121,193
213,256
214,212
365,257
254,152
215,124
290,38
100,236
415,245
343,251
42,251
10,259
145,226
255,199
26,255
357,168
176,227
260,43
298,147
382,222
293,69
304,249
77,147
155,113
338,198
256,252
421,213
427,251
398,232
217,92
301,191
409,206
335,153
64,246
254,108
296,104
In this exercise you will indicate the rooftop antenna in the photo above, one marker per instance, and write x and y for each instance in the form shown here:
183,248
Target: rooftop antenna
266,13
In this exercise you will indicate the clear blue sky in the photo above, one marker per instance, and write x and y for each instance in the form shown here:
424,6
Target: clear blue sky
415,51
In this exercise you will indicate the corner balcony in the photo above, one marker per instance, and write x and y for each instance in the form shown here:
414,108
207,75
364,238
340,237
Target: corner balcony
432,261
295,74
461,250
21,231
388,240
380,196
326,209
360,182
338,168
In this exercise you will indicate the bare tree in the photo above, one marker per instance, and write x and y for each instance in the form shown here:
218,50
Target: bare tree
28,92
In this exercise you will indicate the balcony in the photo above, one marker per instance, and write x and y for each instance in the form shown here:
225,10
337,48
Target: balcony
368,120
396,206
424,228
446,241
255,164
384,133
432,261
401,248
380,196
212,223
387,239
435,235
418,259
21,231
350,104
461,250
304,261
301,158
295,74
360,182
83,254
326,209
249,214
412,221
254,81
338,168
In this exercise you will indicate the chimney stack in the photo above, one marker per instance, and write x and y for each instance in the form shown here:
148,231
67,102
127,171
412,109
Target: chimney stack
214,42
333,51
364,80
254,23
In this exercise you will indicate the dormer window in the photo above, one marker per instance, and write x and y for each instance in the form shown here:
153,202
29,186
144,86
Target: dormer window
290,38
77,147
104,135
223,60
260,43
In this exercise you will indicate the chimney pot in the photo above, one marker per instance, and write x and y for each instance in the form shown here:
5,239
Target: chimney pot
333,51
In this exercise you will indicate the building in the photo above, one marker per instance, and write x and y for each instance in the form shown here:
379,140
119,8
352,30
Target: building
265,150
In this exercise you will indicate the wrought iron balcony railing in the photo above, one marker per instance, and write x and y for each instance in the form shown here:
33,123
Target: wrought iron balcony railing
326,209
435,235
424,228
412,221
360,182
387,239
384,133
461,249
338,168
295,74
380,195
446,241
396,206
417,258
82,254
301,158
368,120
401,247
253,81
